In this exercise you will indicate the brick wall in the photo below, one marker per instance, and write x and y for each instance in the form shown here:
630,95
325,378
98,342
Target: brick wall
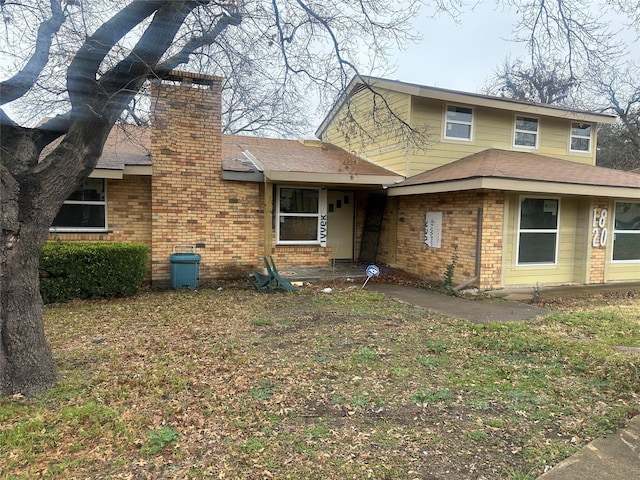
459,233
597,255
129,209
128,215
492,240
308,255
191,204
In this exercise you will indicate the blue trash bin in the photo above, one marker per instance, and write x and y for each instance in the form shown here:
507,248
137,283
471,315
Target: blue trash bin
185,270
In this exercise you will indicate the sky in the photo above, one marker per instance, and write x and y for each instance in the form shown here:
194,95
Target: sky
459,55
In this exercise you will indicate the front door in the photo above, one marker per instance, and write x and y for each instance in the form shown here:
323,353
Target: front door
340,212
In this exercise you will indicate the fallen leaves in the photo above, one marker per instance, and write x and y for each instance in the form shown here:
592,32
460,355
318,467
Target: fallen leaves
233,384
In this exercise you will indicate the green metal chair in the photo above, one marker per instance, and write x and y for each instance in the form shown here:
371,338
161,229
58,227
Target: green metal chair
277,281
262,283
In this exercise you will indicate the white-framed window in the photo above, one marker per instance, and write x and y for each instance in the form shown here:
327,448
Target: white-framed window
580,138
538,231
85,210
458,123
526,132
298,215
626,232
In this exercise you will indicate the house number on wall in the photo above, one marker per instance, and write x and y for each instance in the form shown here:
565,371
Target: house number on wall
599,238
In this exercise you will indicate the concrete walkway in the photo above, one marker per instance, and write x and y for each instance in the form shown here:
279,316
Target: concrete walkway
616,456
484,310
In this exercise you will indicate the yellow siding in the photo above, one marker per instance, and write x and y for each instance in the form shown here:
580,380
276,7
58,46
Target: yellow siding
571,247
622,272
380,142
492,128
581,258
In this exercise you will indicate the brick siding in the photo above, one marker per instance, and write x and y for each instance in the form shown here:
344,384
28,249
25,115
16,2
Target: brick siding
597,256
191,204
459,233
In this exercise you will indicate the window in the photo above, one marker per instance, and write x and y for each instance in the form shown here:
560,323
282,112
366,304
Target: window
298,216
526,132
85,209
626,232
458,123
538,231
580,137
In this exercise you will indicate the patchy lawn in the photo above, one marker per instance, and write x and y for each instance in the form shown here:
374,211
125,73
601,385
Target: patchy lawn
348,385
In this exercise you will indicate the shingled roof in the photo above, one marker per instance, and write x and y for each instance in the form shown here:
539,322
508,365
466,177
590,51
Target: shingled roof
521,171
300,160
126,145
252,159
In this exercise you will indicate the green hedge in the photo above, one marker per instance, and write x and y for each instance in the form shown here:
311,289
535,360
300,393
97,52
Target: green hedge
91,270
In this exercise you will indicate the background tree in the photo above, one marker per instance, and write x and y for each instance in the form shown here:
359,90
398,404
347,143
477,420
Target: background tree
89,71
619,89
577,59
542,82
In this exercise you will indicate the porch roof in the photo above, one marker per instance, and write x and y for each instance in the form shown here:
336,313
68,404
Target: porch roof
308,161
495,169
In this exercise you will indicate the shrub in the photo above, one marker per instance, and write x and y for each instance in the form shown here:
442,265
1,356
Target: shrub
91,270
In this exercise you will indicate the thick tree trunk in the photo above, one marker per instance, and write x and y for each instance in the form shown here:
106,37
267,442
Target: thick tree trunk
26,361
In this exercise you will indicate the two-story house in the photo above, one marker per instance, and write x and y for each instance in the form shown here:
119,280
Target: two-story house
506,191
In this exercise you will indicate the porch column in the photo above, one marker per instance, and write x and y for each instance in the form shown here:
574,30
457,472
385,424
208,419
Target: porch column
268,217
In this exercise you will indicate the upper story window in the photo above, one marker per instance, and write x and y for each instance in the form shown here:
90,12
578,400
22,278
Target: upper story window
85,209
580,140
526,132
298,216
458,123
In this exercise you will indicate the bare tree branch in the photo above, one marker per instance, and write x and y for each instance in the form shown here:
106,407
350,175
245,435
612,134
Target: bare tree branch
21,82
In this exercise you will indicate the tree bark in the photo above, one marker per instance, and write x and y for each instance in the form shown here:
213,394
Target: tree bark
26,361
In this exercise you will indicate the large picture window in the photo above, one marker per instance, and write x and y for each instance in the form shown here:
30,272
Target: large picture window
526,132
580,137
626,232
458,123
85,209
298,215
538,231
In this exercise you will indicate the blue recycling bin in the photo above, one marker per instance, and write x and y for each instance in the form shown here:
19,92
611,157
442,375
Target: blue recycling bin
185,270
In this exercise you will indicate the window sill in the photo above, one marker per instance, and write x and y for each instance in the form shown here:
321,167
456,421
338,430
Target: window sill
83,231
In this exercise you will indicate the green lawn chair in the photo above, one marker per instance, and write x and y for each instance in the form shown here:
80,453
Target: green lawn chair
262,283
277,280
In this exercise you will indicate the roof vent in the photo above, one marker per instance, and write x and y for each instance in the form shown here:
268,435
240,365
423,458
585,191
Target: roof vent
310,142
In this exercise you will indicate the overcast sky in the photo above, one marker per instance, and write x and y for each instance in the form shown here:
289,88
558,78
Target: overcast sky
461,55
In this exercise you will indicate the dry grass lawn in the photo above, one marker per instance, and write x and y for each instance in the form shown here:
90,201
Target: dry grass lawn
233,384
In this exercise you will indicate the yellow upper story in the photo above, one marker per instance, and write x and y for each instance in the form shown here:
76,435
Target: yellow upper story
452,125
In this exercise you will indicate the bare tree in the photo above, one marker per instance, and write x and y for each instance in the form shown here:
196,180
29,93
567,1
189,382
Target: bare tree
89,70
619,144
542,82
578,57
